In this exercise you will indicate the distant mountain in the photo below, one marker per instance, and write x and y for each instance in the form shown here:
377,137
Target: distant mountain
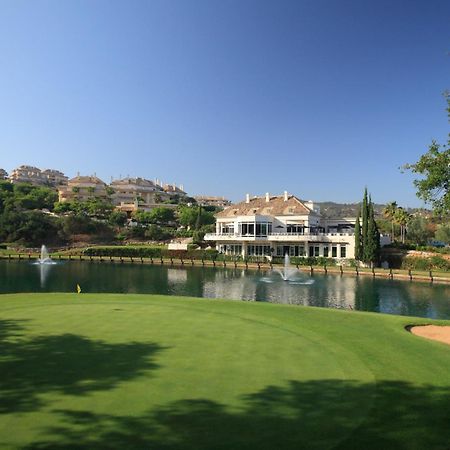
332,209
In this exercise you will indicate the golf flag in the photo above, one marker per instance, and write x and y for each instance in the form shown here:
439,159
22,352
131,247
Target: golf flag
78,289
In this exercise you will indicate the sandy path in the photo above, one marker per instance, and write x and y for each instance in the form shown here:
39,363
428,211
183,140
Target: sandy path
438,333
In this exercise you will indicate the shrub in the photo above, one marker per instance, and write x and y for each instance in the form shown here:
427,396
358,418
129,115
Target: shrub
417,263
127,251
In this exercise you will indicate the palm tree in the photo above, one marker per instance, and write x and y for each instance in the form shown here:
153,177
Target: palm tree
402,218
389,212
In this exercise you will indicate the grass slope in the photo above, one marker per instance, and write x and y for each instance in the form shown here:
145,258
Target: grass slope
132,371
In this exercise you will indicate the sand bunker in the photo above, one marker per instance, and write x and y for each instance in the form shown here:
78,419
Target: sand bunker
436,332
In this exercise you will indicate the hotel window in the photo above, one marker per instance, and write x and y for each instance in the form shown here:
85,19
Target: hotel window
325,251
311,252
261,229
316,251
280,250
295,229
343,251
247,229
334,252
258,250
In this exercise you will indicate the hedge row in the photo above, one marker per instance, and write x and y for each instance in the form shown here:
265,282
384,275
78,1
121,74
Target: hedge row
149,252
417,263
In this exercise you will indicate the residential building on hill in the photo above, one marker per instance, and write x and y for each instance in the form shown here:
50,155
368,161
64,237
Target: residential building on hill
173,189
276,225
54,177
82,188
132,194
37,177
3,174
27,174
218,202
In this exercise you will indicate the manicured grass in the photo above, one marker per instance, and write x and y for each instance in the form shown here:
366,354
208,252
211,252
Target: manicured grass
153,372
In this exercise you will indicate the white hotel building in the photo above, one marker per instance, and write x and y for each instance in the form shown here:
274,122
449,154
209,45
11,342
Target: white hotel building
276,225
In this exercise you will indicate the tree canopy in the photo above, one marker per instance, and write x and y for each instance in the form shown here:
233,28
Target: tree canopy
434,167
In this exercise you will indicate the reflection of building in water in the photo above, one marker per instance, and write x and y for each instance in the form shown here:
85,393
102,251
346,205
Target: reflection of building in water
177,275
233,284
341,292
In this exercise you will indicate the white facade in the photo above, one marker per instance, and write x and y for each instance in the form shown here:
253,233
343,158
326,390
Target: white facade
273,226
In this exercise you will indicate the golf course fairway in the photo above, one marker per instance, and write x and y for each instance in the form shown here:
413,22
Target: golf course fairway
114,371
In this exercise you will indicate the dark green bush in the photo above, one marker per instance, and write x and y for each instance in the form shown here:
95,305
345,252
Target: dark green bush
417,263
127,251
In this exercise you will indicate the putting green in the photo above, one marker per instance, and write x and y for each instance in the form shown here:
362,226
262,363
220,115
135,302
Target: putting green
131,371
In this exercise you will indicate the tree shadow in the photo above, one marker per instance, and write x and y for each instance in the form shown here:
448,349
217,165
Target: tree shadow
67,364
319,414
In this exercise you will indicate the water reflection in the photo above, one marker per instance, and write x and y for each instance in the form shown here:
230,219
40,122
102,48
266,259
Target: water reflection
335,291
44,271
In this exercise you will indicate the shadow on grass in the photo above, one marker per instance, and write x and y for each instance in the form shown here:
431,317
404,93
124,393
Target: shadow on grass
318,414
67,364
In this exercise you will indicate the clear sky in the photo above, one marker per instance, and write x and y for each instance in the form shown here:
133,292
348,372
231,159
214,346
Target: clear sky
320,98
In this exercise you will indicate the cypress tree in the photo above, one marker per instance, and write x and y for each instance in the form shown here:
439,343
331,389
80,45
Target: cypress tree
372,234
358,253
364,226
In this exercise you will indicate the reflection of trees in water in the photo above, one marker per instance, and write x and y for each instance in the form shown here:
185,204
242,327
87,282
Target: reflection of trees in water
426,300
367,297
402,297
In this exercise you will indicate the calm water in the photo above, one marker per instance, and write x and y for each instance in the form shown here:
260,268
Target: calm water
330,291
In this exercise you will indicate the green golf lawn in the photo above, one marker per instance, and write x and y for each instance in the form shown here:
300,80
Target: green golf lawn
115,371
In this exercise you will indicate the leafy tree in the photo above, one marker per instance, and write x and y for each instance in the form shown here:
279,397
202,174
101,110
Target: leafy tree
72,206
197,237
419,231
99,208
28,227
118,218
443,233
434,166
157,233
142,217
77,224
162,215
110,190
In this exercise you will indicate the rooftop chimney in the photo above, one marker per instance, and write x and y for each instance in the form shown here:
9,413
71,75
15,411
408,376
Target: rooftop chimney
267,197
247,198
285,196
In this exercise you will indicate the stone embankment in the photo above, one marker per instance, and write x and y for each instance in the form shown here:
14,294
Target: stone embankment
398,274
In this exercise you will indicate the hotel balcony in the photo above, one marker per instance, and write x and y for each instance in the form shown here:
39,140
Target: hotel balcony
280,237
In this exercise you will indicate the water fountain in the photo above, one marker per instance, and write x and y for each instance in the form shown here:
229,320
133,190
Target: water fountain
45,258
288,273
44,263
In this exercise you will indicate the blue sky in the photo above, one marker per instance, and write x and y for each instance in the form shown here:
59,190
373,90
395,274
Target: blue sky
320,98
